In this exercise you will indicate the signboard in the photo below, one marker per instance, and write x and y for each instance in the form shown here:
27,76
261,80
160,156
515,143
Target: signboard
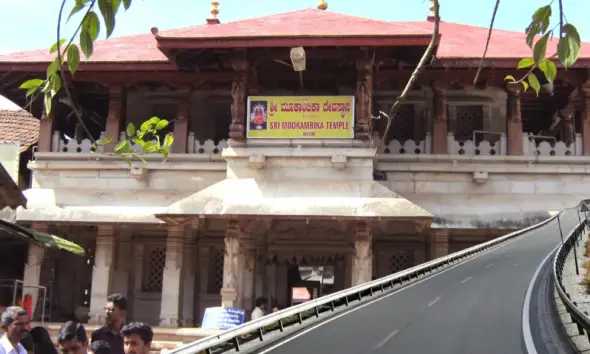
222,318
293,117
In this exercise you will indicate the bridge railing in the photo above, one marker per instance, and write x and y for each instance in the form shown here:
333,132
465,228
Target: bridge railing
258,330
579,317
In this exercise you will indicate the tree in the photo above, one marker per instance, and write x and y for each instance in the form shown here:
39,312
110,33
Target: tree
538,34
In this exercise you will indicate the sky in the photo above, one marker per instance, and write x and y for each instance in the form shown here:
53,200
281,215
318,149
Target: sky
31,24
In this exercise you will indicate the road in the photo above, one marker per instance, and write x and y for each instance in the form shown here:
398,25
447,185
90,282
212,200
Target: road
475,307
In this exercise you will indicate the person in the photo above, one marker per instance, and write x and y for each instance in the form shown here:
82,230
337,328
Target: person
116,309
260,306
72,338
14,323
27,343
137,338
42,341
99,347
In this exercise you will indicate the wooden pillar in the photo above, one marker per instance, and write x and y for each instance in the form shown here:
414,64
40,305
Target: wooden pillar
181,127
362,260
439,122
363,99
231,264
239,94
113,124
45,132
513,119
584,91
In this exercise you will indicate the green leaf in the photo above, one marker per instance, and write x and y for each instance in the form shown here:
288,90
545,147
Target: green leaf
543,17
526,63
540,49
549,69
116,4
525,85
165,152
150,147
122,147
33,83
47,101
126,159
79,6
53,48
86,43
55,83
53,67
568,49
154,120
139,141
161,124
131,130
534,82
510,77
73,58
31,91
145,126
168,140
91,25
107,140
126,4
108,16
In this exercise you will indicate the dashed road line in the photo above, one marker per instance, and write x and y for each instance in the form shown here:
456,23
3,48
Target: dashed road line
434,301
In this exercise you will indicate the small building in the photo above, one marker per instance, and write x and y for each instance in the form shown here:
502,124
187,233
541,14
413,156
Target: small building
246,203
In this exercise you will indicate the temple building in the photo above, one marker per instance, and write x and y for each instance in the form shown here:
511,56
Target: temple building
280,177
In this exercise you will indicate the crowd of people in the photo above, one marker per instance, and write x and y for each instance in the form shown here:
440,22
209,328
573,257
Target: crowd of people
114,337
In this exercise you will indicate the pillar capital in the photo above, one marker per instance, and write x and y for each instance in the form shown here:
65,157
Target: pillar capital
439,87
513,89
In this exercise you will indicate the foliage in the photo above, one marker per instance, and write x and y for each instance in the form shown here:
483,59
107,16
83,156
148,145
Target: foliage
88,31
568,48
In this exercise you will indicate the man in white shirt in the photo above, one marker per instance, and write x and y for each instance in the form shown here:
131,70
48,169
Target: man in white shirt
261,304
15,323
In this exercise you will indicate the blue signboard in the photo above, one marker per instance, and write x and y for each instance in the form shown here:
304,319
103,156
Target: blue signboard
222,318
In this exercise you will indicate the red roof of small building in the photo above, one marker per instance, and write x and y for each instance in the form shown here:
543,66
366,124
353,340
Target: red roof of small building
17,125
458,41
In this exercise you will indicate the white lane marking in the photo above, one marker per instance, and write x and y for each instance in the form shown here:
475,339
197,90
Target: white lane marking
489,265
465,280
529,343
386,339
311,328
434,301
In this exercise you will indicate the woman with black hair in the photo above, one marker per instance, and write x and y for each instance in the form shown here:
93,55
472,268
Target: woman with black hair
42,341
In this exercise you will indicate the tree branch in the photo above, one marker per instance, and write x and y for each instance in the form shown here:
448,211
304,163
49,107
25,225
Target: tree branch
63,74
421,66
487,43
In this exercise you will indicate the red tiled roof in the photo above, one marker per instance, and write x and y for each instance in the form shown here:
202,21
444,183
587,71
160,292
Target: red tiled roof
302,23
17,125
460,41
136,48
457,41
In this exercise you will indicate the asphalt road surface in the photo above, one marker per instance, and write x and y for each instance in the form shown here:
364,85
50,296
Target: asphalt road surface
475,307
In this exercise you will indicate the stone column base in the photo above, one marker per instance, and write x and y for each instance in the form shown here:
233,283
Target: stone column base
170,322
228,297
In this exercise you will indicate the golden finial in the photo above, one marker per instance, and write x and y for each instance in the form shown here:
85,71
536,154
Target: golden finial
432,15
213,20
322,5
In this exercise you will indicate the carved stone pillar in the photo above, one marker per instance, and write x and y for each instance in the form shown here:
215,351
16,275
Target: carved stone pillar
239,93
45,132
170,310
181,127
124,257
362,260
584,91
101,273
189,270
439,243
231,264
439,121
514,119
32,273
363,99
113,124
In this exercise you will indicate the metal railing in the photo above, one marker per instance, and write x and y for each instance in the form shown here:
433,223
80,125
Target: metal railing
570,243
234,338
